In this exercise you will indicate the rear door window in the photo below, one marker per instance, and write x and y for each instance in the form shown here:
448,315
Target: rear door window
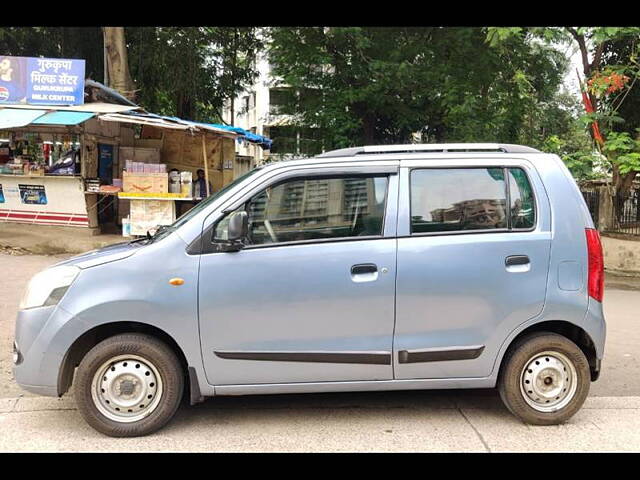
470,199
454,199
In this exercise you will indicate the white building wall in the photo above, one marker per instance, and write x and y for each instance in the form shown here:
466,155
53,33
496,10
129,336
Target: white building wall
256,117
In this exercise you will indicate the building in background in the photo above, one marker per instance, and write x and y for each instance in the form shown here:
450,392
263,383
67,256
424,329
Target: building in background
259,110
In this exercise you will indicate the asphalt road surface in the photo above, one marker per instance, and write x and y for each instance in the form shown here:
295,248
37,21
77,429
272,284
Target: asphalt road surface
439,421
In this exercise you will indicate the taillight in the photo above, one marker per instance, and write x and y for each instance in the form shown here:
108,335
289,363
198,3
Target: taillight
596,265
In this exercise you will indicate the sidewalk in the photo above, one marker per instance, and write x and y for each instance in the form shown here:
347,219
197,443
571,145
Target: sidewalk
621,282
382,422
20,238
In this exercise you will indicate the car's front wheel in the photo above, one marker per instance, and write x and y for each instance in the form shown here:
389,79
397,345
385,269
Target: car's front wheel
545,379
129,385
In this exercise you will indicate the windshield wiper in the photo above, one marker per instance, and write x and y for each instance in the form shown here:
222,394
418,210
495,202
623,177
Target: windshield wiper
159,230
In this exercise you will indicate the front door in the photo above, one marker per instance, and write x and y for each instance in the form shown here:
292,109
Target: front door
473,254
311,296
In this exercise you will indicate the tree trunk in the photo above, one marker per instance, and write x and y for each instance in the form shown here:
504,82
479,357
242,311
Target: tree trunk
623,182
117,63
368,129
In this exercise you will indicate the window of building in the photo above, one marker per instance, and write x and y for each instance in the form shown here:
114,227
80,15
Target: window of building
310,141
284,139
281,100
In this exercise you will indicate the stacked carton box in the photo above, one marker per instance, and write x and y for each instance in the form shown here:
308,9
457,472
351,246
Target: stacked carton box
145,182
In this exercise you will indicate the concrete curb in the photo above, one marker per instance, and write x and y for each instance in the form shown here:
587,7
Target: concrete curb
39,404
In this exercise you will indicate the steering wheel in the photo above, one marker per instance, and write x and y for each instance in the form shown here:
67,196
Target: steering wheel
272,234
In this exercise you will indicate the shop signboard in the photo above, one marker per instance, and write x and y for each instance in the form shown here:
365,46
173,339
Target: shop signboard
41,81
33,194
1,194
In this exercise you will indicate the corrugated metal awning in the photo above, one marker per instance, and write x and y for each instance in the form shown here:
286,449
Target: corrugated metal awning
16,118
63,118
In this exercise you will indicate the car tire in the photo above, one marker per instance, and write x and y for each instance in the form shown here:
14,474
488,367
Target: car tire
545,379
129,385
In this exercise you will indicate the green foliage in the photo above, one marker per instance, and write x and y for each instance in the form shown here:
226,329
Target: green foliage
191,71
614,73
381,85
64,42
184,71
623,150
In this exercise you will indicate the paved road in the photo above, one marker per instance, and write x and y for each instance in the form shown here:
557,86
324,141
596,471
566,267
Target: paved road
467,420
426,421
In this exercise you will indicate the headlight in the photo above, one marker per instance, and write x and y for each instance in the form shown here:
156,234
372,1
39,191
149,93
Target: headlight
48,286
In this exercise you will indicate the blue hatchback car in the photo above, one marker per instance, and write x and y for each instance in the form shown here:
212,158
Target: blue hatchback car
370,268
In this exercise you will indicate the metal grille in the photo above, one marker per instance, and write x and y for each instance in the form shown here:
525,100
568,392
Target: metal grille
592,198
626,213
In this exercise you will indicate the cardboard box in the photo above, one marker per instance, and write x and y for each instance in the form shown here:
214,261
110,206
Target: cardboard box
145,182
139,154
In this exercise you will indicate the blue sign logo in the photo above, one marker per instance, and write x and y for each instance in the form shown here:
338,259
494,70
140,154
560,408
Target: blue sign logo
41,81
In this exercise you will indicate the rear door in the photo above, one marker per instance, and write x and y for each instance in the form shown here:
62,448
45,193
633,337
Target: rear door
473,255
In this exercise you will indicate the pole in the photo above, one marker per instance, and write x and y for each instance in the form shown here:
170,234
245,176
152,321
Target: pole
206,167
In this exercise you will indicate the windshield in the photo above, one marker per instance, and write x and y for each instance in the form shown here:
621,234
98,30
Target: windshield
165,230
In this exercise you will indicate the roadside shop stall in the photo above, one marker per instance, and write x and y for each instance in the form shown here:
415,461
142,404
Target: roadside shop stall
100,165
45,157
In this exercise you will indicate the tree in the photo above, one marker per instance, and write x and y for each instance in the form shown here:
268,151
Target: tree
64,42
184,71
191,71
118,74
611,70
383,85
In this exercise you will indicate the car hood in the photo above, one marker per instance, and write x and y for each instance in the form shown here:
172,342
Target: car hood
104,255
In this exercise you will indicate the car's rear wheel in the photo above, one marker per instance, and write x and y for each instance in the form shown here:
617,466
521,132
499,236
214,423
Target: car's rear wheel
545,379
129,385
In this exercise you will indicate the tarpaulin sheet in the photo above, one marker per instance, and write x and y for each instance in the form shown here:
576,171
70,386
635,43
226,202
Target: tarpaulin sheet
63,118
15,118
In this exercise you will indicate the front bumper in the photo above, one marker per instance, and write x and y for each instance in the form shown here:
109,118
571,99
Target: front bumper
39,352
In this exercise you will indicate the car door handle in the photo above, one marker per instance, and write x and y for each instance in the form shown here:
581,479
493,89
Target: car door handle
364,272
363,268
517,264
516,260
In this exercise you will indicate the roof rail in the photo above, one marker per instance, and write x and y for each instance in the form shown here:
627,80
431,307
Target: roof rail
428,147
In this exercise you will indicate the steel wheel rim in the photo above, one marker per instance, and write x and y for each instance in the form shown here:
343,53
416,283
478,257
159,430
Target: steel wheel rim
548,381
126,388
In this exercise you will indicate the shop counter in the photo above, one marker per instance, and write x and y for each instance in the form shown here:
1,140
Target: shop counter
43,200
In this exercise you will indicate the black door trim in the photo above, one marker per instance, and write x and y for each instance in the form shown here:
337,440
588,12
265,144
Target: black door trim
373,358
441,355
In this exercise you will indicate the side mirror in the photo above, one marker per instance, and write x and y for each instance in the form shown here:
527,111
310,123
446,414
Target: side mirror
237,229
238,226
